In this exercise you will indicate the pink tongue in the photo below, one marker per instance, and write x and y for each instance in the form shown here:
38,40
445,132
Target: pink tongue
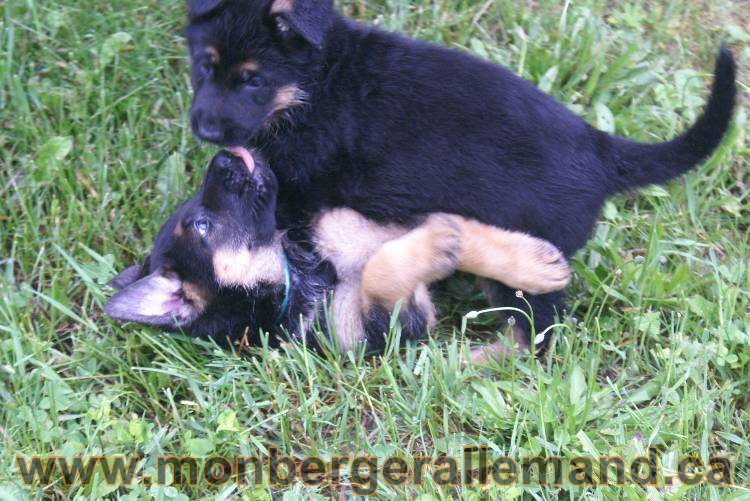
245,155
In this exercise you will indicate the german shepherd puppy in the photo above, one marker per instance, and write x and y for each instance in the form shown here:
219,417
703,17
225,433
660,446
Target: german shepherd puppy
219,268
350,116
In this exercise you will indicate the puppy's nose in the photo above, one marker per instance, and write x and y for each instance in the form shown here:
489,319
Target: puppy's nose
208,128
224,160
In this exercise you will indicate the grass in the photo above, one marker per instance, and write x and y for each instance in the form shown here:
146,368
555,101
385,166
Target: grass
95,151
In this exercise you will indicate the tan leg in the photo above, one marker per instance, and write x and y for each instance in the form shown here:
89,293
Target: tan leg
422,256
444,243
516,259
346,309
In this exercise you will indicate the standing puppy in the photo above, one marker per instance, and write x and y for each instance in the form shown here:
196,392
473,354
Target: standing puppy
350,116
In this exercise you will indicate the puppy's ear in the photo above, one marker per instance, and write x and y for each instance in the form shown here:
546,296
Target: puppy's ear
157,299
199,8
310,19
125,277
130,275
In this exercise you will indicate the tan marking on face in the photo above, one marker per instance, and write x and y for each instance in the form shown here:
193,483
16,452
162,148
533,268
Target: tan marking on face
422,256
249,267
178,229
516,259
287,97
249,65
282,6
213,53
196,295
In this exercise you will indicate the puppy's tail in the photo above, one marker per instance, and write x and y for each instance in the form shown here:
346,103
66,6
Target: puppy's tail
637,164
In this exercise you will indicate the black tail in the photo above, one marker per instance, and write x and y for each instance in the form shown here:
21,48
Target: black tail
637,164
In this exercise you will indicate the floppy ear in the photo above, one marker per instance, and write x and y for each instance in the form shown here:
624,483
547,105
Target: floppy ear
130,274
156,299
310,19
199,8
125,277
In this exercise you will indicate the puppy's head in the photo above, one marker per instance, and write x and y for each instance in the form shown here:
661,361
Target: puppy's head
213,258
251,62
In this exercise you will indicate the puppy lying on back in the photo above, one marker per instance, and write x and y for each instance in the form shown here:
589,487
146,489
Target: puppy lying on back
220,269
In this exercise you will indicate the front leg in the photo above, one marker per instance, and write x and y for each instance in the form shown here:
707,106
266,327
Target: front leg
428,253
516,259
446,243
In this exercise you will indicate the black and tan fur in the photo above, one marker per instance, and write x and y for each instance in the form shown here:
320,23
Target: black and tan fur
396,129
216,269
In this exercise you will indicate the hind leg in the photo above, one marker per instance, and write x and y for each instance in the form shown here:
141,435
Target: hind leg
422,256
544,308
444,243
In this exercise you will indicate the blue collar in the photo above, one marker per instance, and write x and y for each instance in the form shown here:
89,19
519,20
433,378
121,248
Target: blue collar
287,288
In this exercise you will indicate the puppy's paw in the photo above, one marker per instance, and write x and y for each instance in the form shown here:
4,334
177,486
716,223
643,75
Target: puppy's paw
541,267
500,350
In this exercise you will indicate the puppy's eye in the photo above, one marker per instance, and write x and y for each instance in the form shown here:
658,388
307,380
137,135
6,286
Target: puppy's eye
251,79
201,226
206,67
